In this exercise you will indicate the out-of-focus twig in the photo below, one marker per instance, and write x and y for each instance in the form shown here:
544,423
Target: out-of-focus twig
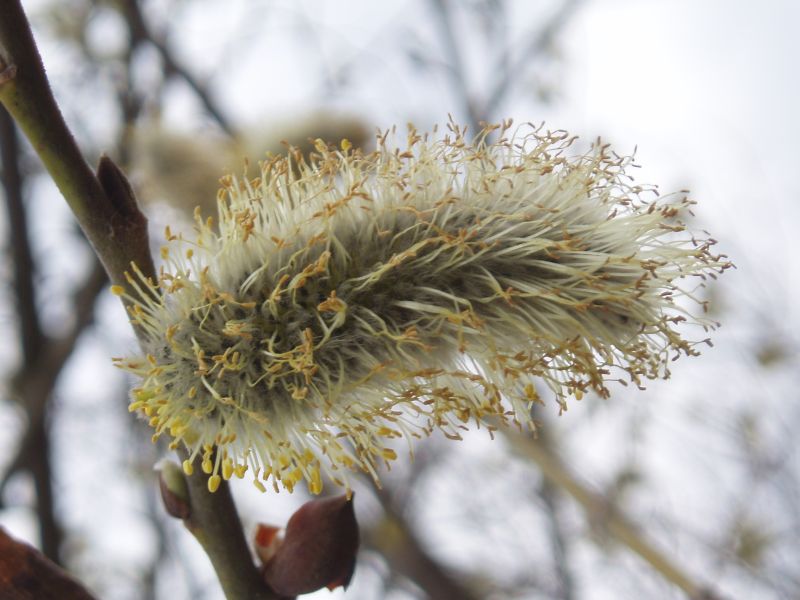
106,210
50,532
536,44
35,382
476,109
557,543
458,75
615,524
30,332
30,329
114,226
397,542
140,32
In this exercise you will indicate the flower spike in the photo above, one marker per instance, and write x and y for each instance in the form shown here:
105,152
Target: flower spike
355,300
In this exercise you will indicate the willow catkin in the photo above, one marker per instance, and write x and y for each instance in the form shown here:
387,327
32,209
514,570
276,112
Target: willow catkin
359,299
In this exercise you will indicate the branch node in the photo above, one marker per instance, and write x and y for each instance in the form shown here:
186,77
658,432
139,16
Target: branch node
117,188
8,73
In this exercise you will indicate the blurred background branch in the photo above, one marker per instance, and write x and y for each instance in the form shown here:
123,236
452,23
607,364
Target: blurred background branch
602,513
108,213
140,33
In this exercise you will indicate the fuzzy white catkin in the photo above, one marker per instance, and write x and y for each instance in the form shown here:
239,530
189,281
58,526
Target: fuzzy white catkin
351,300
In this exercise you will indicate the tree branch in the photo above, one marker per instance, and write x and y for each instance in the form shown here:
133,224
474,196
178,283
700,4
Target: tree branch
458,75
615,524
36,383
566,588
139,31
31,337
30,329
106,211
215,525
405,553
535,45
118,237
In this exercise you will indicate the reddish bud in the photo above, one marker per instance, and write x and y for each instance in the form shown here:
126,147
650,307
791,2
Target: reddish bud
318,550
267,542
174,490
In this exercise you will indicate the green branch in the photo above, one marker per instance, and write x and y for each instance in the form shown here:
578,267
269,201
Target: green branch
215,525
106,209
110,219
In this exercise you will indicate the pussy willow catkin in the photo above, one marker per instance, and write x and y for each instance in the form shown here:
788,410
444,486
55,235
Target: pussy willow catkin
339,305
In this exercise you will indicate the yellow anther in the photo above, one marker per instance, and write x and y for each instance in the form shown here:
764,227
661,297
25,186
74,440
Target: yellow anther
346,144
207,466
143,395
117,290
188,467
260,486
213,483
315,485
227,469
389,454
